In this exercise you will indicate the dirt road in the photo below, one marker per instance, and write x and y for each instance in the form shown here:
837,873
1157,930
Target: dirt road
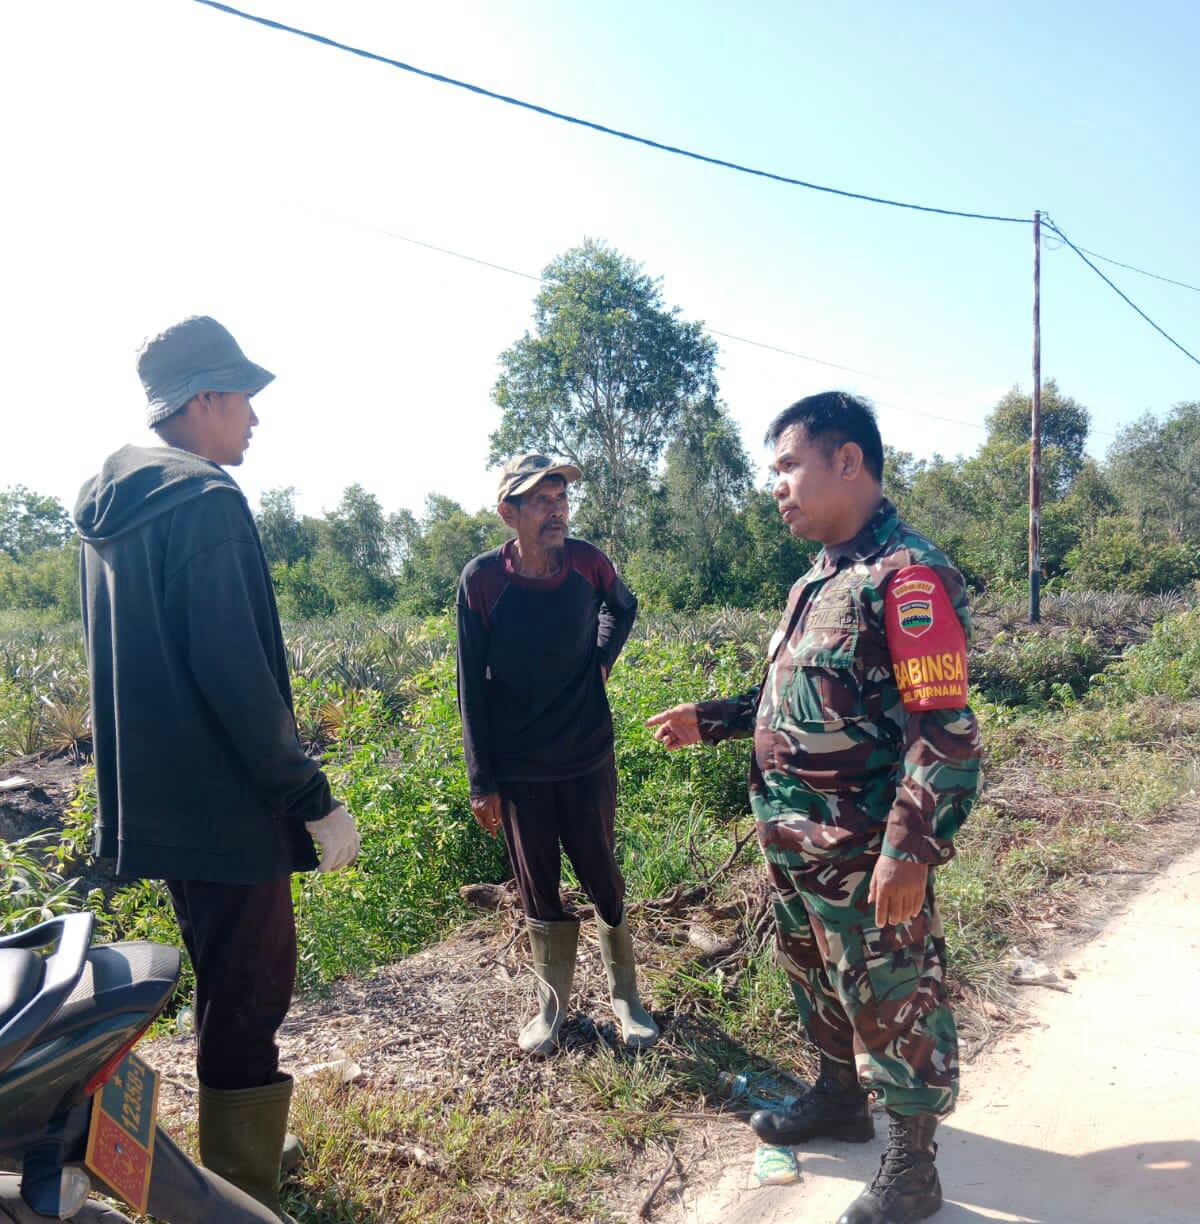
1090,1114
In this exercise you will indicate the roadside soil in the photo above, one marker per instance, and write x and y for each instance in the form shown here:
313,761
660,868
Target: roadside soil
39,789
1078,1104
1085,1113
35,793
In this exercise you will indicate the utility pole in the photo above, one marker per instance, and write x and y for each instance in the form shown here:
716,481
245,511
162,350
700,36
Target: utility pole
1035,435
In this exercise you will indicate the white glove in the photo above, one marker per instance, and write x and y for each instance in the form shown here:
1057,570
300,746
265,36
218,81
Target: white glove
337,837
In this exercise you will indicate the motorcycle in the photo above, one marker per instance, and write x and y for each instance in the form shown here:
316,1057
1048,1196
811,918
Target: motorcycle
76,1106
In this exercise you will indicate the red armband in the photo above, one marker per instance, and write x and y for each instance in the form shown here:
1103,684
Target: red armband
926,642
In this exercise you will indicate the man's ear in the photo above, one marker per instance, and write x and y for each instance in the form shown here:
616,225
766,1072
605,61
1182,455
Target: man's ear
508,512
850,460
201,403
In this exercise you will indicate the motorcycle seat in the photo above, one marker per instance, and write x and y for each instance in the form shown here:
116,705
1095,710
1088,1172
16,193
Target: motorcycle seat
133,977
21,972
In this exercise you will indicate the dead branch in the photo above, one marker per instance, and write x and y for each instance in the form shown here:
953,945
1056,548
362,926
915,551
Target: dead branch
407,1153
709,942
672,1165
738,846
498,958
483,896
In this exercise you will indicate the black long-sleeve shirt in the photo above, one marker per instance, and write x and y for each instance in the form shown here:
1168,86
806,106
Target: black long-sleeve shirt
530,653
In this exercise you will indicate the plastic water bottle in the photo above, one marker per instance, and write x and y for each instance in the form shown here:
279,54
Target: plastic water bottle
733,1086
757,1091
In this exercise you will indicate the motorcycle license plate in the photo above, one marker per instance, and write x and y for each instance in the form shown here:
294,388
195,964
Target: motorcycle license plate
120,1147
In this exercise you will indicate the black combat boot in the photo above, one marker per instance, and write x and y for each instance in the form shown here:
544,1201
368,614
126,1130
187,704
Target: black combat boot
906,1188
835,1107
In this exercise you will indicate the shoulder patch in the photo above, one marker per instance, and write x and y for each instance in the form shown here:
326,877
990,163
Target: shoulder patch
926,641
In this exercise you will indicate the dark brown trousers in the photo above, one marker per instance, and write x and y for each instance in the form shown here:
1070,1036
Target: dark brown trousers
242,941
578,815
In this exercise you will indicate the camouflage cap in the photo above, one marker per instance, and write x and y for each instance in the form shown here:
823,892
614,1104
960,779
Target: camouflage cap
195,355
523,472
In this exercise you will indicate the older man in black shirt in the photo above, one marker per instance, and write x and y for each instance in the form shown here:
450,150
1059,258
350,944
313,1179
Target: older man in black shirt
541,621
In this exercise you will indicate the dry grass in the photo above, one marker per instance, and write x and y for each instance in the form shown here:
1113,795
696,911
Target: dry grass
447,1122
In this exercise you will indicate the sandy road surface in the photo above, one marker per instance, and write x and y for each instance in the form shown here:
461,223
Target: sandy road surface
1088,1115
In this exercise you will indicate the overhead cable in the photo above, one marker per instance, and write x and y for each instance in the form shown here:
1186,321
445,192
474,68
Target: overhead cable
1123,296
603,128
498,267
487,263
1141,271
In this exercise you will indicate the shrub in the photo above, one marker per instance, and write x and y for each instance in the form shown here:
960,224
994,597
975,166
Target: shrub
1033,668
1167,664
31,891
407,787
1117,556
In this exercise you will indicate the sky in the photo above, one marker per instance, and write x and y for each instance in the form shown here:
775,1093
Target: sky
163,159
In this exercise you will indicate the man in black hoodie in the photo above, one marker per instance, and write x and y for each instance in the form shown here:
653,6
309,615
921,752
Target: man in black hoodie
201,778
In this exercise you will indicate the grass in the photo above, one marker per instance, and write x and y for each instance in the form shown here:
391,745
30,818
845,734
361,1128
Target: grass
402,1157
1072,791
1078,771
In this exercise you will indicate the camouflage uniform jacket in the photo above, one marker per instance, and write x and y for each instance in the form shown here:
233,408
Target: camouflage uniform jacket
840,766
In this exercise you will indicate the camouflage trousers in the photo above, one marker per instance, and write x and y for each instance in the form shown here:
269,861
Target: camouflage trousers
867,995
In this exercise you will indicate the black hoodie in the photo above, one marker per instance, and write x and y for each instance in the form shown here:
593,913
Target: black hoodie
199,770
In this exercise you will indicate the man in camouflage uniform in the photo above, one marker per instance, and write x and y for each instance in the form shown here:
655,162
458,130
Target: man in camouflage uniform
866,762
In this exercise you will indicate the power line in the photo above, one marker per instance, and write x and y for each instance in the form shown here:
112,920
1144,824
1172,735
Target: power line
774,348
761,344
1141,271
1124,297
701,157
603,128
487,263
429,246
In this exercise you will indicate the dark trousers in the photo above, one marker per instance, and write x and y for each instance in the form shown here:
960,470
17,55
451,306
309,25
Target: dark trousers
578,815
242,941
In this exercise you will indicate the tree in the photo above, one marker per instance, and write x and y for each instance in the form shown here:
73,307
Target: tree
1154,469
978,508
1064,427
285,536
438,547
353,560
46,579
768,559
685,558
31,523
1115,555
603,380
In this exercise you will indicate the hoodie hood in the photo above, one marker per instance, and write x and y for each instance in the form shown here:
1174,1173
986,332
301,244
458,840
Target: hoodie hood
138,483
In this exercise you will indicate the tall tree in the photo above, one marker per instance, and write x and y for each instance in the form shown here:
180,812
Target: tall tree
30,522
602,379
977,508
285,536
1064,427
1154,468
438,546
707,479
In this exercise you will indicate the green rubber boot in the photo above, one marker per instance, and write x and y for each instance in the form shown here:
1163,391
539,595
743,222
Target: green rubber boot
293,1154
241,1137
553,945
616,950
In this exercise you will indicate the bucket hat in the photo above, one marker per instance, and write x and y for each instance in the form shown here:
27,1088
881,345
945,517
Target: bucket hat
195,355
